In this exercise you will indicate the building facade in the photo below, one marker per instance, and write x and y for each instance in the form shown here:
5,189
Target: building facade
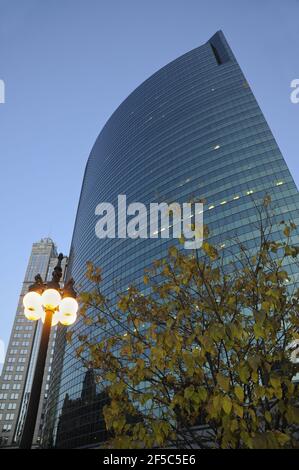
192,130
19,364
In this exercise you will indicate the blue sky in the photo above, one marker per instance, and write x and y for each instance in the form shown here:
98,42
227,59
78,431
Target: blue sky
67,64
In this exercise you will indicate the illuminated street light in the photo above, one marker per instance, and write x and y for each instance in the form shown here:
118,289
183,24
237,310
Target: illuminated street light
50,304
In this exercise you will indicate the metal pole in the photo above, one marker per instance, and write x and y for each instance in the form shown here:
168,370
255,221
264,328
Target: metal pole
32,410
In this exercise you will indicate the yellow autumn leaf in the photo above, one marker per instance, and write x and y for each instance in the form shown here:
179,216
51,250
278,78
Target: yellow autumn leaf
223,381
227,405
239,393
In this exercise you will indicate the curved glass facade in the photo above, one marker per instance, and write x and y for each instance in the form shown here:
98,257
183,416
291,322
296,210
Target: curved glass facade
193,129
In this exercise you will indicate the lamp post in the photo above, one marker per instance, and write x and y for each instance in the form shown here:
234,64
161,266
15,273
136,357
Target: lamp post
51,304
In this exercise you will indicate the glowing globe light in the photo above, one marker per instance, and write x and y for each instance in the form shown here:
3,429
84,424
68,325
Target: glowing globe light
68,319
68,311
68,305
33,313
44,301
32,300
50,299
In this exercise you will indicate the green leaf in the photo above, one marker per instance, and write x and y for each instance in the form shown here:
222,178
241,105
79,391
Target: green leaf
268,416
259,331
111,376
292,415
223,381
244,373
188,392
282,438
275,382
239,393
238,410
210,250
227,405
202,393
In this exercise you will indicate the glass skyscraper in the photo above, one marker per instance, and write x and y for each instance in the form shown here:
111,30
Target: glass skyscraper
192,130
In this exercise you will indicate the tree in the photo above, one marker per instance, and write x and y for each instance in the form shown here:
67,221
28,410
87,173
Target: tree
200,355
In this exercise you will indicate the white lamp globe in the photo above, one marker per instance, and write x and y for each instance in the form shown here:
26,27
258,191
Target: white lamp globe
68,311
51,299
68,306
32,300
67,319
33,313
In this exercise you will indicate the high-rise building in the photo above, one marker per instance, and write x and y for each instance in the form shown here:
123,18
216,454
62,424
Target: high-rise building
193,129
19,364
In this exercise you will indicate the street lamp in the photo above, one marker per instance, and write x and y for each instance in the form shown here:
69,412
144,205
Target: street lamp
50,304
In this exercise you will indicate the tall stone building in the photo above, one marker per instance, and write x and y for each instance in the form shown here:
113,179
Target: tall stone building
19,364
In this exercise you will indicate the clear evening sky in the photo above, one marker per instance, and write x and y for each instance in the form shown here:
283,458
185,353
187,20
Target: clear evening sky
67,64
